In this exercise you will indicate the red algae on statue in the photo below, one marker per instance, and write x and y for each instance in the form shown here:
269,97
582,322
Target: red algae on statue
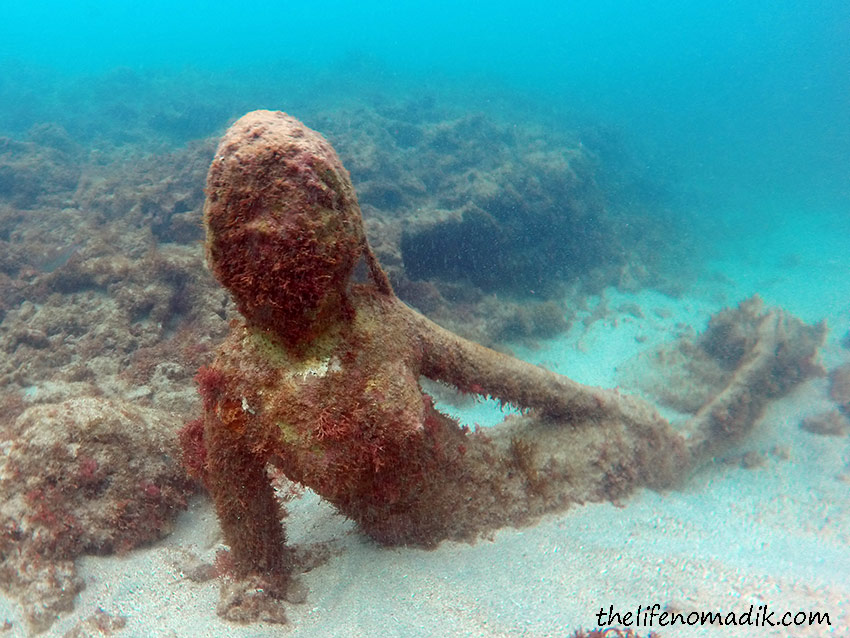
283,225
321,380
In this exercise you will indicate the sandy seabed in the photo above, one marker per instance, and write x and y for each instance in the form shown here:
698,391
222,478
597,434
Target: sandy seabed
766,524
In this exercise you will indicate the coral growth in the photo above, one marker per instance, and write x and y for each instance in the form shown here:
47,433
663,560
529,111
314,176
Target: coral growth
321,380
121,320
83,476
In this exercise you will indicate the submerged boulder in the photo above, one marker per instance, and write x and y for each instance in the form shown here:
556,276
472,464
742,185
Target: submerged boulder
85,476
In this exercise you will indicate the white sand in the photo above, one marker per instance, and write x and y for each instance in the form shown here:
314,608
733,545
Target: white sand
778,534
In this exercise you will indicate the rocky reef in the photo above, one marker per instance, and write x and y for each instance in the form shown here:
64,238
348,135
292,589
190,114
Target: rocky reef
487,226
87,475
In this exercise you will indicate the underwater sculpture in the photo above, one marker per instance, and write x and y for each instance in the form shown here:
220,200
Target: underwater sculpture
321,380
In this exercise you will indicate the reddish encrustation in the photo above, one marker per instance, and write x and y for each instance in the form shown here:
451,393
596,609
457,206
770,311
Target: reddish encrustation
321,381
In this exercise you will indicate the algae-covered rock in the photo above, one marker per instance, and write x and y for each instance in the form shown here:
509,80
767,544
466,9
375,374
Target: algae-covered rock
87,475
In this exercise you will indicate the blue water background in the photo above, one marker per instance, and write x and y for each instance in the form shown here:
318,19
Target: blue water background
740,102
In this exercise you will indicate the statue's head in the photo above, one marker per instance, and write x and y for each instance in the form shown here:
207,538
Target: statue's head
284,229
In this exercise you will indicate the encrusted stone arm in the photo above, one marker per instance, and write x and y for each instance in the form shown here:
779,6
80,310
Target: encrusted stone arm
475,369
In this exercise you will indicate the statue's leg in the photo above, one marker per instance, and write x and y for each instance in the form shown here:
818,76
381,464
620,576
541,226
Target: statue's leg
783,354
247,509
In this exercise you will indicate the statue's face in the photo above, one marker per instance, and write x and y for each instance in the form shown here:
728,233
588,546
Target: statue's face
284,229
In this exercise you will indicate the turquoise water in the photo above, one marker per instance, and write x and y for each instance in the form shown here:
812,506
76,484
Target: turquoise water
742,100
